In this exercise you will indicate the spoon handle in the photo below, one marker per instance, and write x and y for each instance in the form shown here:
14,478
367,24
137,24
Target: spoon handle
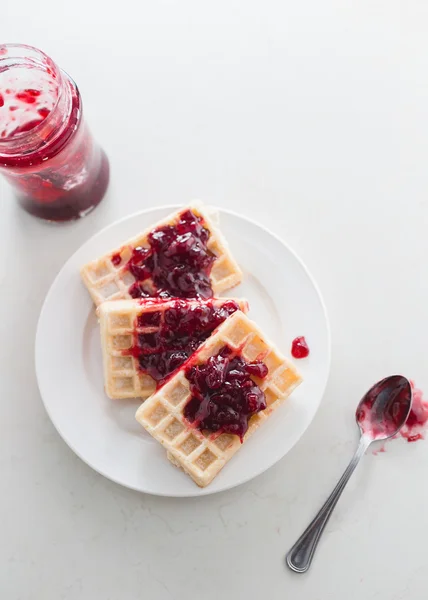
299,558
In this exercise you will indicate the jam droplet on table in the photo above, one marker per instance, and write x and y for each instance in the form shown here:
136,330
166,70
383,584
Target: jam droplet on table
299,347
415,426
181,329
224,397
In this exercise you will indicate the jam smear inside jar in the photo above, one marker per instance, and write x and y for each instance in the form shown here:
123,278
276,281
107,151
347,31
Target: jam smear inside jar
224,395
176,263
47,153
165,339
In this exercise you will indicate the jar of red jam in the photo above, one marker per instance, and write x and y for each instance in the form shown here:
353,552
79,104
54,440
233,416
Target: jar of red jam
47,153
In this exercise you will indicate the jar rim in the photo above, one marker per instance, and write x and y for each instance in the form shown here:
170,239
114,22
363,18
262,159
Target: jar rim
14,55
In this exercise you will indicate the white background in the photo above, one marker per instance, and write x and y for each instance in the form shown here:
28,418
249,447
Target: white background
310,117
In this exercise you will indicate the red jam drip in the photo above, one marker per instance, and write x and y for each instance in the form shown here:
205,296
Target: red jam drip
180,331
299,348
224,396
177,261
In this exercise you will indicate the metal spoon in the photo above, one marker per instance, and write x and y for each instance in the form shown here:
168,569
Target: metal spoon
380,415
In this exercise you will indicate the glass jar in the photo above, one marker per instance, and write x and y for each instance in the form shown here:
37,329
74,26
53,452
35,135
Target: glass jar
46,150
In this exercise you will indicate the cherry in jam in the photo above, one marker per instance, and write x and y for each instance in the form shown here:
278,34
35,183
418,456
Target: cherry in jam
177,261
224,396
180,329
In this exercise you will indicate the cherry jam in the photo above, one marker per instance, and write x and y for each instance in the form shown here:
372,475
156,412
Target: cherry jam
224,396
177,262
165,339
47,153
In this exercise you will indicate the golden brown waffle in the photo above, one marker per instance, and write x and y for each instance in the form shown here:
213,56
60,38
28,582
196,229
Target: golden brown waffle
118,324
105,281
202,455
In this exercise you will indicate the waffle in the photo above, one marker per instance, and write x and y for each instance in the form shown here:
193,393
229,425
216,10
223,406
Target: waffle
105,281
202,455
119,328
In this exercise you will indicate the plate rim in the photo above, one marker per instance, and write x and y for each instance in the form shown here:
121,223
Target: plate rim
199,492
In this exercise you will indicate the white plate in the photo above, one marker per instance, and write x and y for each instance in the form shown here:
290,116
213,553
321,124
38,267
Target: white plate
284,301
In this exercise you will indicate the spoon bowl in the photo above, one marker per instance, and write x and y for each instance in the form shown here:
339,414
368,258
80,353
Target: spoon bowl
384,409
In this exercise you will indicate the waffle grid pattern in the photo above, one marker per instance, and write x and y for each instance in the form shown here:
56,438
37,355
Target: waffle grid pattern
105,281
118,326
202,455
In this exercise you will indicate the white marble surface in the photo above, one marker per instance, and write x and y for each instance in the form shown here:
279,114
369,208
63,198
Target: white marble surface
310,117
